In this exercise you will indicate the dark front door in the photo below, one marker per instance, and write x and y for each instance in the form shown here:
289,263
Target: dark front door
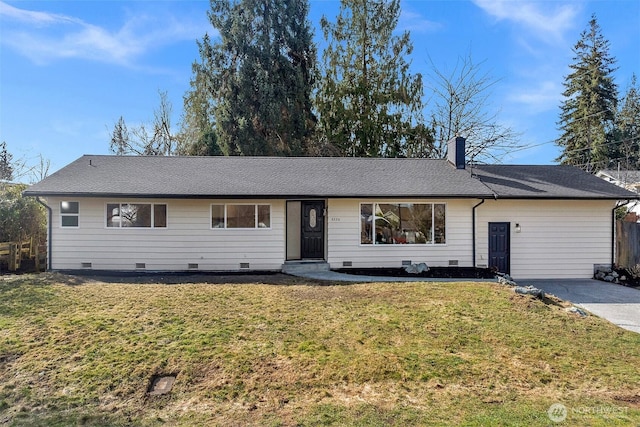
312,245
499,246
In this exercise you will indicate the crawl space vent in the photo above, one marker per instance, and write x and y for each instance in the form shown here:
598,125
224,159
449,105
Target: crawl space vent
244,265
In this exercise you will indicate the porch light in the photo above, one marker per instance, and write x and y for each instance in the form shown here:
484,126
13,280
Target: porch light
518,229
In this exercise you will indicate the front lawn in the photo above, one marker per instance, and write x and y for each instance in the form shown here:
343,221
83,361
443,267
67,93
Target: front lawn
82,352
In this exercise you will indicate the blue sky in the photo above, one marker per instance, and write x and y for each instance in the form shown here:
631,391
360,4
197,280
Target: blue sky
70,69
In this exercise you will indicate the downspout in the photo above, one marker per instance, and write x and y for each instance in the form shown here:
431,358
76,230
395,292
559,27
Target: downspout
49,232
613,231
473,230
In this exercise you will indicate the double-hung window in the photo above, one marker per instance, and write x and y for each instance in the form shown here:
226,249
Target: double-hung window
240,216
139,215
69,214
402,223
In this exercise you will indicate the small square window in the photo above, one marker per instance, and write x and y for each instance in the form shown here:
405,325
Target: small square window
70,207
69,214
69,221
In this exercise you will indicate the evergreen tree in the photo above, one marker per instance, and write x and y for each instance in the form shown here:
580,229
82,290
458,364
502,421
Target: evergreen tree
588,111
197,136
260,73
368,102
627,132
6,166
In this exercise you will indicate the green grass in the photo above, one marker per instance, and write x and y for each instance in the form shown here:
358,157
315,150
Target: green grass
283,354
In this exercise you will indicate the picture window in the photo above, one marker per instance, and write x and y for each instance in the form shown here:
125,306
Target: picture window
402,223
240,216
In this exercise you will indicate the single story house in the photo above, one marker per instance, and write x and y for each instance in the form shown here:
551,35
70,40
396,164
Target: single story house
262,213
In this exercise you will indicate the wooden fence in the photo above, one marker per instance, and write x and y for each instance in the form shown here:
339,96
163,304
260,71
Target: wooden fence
627,243
12,254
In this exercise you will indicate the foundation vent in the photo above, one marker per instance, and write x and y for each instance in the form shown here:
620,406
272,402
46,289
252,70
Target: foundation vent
406,262
86,265
453,263
141,265
193,266
347,264
244,265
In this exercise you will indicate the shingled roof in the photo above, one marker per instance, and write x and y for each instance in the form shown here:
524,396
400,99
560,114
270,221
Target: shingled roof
547,182
211,177
276,177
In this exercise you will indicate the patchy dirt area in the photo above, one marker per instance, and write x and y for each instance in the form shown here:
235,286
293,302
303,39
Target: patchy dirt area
88,277
261,277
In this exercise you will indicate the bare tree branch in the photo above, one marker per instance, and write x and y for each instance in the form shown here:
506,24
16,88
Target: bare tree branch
460,103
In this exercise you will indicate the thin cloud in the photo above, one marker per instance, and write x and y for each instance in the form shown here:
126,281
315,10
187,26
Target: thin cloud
548,21
45,37
544,96
416,23
33,17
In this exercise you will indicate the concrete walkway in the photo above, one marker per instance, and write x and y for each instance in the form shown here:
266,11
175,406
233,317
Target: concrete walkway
618,304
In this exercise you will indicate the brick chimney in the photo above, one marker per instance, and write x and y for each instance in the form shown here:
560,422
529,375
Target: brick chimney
455,152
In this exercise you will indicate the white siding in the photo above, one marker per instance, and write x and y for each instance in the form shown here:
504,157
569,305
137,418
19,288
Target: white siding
188,239
343,219
558,239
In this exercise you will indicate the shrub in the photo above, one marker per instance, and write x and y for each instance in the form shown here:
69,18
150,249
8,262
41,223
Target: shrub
20,217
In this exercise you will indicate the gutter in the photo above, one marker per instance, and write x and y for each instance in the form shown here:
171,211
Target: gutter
49,232
473,231
613,230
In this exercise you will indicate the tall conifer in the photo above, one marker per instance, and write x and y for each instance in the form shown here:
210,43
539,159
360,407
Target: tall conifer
589,108
369,103
260,71
627,132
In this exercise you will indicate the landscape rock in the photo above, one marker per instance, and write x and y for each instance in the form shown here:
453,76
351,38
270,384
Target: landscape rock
576,310
529,290
416,268
505,279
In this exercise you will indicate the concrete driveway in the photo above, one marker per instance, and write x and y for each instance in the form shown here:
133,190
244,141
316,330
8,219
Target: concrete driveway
616,303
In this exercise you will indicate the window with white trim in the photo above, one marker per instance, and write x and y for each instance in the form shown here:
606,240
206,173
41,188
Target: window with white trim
69,214
136,215
402,223
247,216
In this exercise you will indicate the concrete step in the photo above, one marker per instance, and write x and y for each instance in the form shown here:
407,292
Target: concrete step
296,267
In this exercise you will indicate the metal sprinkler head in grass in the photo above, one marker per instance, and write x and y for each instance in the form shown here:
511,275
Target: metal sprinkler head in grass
161,384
